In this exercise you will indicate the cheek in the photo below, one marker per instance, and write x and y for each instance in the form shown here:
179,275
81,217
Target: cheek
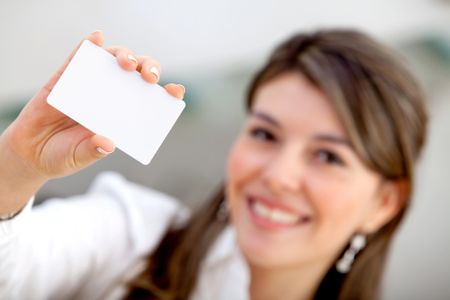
236,169
236,163
243,166
243,162
341,206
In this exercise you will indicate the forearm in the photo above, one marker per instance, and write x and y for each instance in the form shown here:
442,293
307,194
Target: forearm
18,182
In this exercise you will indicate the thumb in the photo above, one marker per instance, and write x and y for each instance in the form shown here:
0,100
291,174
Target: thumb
93,149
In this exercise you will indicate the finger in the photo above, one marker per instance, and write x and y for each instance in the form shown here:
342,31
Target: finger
125,57
176,90
96,37
92,149
150,68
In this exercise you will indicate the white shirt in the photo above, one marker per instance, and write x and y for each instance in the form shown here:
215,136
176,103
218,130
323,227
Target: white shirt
90,246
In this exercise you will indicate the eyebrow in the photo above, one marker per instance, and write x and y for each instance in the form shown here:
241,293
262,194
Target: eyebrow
265,117
333,139
320,137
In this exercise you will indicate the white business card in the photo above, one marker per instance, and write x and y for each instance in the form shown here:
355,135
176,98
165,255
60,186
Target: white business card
118,104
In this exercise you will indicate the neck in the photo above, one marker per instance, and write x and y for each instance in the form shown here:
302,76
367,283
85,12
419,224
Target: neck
291,283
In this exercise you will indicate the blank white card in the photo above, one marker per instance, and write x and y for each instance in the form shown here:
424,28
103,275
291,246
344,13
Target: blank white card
98,94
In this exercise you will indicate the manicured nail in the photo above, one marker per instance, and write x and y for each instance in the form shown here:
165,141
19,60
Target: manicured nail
182,86
132,58
155,71
95,31
102,151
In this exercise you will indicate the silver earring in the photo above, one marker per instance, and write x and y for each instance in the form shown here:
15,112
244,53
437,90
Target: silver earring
344,264
222,212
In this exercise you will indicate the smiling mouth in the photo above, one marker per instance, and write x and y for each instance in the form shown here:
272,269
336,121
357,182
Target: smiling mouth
271,217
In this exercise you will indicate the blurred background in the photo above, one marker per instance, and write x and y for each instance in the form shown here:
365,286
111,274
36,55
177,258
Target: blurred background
213,48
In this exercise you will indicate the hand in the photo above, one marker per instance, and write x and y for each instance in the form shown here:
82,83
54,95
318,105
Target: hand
49,143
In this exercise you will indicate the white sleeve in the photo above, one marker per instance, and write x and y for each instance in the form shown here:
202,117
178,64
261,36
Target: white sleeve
9,228
80,248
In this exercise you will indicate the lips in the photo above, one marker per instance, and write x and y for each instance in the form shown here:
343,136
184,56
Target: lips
272,215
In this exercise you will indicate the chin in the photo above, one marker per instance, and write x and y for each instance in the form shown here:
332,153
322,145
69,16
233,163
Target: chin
261,256
268,245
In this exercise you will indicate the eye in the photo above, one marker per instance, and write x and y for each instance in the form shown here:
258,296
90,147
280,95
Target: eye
328,157
262,134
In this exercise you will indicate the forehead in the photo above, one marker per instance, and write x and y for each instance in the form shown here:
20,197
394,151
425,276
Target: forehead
298,105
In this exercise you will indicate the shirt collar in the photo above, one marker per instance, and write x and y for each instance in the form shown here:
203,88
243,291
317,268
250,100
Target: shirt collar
224,272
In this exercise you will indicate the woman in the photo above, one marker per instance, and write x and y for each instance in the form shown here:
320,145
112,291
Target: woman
316,185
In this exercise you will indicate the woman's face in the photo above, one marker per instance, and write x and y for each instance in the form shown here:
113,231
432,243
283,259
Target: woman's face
296,189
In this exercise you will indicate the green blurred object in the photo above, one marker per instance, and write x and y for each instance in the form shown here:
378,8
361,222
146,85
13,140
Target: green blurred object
9,112
439,46
10,108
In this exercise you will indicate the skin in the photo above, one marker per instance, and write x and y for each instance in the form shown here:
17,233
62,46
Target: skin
42,143
294,154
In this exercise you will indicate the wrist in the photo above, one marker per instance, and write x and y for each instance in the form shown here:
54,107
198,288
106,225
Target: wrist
15,164
18,181
9,216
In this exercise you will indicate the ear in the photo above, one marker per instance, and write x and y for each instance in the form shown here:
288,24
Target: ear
389,200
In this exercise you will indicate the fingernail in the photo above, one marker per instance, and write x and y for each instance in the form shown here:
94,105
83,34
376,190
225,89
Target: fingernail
132,58
155,71
102,151
184,89
95,31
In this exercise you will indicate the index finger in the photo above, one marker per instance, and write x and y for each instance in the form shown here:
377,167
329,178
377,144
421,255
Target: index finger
96,37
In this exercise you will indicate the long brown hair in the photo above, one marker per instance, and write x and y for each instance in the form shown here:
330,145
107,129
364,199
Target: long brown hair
382,109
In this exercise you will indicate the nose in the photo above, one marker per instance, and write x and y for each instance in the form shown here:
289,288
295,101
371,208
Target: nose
283,173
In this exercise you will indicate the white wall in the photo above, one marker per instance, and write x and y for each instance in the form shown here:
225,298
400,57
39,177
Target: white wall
187,36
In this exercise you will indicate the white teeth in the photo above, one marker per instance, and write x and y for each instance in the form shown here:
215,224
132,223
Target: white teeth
274,215
283,217
261,210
